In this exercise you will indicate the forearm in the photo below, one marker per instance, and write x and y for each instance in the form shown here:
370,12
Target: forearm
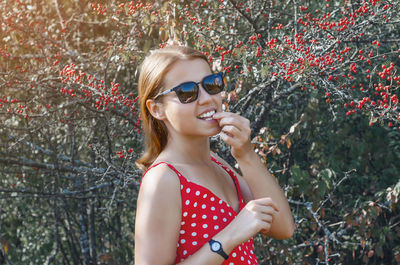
262,184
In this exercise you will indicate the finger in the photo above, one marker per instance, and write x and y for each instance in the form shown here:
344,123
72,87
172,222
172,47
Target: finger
232,131
267,201
267,209
267,218
239,122
228,138
227,118
219,115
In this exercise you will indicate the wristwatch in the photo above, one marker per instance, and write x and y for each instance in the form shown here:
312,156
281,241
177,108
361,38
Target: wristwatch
216,247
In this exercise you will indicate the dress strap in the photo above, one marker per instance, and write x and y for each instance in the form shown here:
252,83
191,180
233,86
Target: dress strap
182,179
235,180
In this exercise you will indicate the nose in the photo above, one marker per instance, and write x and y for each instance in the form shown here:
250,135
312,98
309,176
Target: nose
204,97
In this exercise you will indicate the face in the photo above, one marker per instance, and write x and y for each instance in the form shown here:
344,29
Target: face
191,119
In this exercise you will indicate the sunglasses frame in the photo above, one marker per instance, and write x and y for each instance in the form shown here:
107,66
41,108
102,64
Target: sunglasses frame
196,84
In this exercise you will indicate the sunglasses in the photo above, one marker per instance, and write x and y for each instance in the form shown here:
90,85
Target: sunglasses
189,91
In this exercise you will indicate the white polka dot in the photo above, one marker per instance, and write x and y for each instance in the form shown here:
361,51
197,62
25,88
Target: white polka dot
234,254
240,248
181,187
216,227
212,199
194,215
205,235
231,263
222,210
184,252
194,243
187,202
230,214
205,226
194,234
193,224
251,251
213,208
215,217
182,232
203,206
182,223
197,193
187,190
205,196
195,204
185,214
204,216
183,241
220,202
248,261
224,219
241,258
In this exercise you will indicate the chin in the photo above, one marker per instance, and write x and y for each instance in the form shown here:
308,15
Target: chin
216,132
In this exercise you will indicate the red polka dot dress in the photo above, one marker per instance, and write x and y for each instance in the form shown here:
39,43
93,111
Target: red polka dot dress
203,215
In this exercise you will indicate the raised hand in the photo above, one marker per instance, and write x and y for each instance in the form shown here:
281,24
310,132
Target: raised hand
235,131
256,216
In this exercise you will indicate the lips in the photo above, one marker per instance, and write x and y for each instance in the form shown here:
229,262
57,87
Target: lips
207,115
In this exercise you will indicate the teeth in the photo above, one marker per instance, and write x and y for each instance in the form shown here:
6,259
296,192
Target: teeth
207,114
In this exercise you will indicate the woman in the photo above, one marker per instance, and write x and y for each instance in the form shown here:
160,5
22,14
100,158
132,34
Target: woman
192,207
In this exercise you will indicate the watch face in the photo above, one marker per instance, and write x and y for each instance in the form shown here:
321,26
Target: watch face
215,246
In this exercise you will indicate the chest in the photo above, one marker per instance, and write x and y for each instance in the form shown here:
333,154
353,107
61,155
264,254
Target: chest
217,182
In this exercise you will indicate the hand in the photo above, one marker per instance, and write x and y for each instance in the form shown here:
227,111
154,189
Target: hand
256,216
235,131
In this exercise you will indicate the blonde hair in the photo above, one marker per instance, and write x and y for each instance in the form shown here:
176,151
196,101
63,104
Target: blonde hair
151,78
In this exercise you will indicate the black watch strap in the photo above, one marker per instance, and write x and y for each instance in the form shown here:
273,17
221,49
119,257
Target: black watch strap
216,247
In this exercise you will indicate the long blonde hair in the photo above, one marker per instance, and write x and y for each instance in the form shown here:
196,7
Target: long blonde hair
151,78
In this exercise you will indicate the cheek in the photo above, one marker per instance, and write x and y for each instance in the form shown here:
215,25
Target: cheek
179,115
218,100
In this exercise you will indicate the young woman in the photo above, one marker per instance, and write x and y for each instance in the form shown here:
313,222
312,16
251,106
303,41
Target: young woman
193,208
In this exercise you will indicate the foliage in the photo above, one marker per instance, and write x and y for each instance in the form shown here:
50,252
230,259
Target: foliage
317,79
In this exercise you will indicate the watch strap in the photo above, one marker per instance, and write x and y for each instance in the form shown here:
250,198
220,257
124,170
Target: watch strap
220,251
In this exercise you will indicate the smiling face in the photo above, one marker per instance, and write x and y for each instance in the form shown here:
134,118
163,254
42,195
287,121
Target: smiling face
191,119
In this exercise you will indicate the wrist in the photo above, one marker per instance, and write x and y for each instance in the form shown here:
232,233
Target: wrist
247,157
216,247
226,240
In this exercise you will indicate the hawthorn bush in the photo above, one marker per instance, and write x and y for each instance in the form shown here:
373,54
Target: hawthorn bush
317,79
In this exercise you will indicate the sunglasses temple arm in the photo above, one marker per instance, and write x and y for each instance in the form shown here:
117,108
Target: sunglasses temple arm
163,93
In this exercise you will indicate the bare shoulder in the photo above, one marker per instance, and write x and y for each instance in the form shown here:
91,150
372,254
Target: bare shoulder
158,216
161,178
247,195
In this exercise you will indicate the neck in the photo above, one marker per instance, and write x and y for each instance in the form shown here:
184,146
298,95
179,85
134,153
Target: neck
188,150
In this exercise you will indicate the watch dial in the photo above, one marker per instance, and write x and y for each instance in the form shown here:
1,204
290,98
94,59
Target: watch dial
215,246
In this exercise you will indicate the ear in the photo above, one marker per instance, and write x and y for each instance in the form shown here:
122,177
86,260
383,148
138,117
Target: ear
156,109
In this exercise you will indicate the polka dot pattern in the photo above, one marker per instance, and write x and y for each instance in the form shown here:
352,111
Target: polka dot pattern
203,216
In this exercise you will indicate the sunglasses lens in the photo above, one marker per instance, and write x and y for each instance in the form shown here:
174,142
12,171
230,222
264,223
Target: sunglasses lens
187,92
213,83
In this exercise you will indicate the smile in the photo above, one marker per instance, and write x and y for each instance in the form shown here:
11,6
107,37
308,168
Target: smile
207,116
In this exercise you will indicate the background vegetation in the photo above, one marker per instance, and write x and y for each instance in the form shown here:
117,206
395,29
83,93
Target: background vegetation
317,79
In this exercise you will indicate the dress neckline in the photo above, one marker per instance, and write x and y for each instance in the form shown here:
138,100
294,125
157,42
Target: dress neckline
230,173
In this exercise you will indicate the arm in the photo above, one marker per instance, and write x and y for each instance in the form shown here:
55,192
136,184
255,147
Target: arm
158,218
236,133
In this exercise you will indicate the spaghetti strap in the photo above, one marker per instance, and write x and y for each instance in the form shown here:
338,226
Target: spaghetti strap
235,180
182,179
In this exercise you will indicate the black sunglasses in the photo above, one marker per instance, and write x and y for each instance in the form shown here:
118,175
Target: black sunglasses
189,91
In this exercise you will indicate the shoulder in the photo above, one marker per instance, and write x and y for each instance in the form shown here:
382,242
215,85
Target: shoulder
159,179
158,216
